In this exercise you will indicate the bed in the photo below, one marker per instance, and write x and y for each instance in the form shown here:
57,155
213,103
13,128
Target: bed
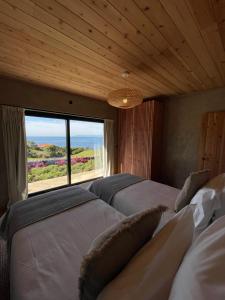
131,194
160,269
143,195
46,255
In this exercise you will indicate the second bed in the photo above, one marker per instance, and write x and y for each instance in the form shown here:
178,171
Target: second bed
131,194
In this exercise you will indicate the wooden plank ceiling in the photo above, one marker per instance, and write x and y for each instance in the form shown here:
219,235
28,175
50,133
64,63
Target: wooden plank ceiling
83,46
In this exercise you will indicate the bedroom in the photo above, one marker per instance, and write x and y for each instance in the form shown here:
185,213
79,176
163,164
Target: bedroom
65,70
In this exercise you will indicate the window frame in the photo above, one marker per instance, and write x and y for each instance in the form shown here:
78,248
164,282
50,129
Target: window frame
67,118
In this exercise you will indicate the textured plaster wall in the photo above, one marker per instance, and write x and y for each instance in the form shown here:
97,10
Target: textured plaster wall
182,130
19,93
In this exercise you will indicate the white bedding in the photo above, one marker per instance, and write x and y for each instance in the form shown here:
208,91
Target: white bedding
46,256
210,202
144,195
149,274
201,275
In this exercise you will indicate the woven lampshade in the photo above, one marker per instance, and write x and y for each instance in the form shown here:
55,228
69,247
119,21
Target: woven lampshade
125,98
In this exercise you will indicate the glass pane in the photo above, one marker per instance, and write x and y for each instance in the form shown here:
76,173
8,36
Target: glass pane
46,153
86,141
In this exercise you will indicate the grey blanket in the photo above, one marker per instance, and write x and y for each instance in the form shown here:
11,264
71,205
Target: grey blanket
106,188
24,213
40,207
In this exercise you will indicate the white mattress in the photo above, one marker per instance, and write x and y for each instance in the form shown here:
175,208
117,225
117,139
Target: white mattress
143,195
46,256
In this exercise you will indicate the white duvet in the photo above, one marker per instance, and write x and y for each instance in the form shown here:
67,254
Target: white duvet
46,256
150,273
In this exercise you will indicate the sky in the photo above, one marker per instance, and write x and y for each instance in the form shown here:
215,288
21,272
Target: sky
36,126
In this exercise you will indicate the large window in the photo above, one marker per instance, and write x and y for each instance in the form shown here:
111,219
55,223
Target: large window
62,150
86,143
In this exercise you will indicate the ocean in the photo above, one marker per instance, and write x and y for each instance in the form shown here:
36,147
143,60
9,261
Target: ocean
78,141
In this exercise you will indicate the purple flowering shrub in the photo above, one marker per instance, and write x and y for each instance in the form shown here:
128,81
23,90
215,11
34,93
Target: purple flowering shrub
58,162
47,169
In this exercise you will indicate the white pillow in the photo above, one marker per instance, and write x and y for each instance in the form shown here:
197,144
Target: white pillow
201,275
210,202
149,275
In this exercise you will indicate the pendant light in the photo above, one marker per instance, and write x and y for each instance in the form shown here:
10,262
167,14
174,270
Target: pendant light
126,97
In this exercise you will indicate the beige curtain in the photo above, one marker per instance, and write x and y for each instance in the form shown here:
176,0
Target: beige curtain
108,153
13,149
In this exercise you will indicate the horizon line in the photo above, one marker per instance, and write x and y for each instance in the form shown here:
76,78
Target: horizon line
64,136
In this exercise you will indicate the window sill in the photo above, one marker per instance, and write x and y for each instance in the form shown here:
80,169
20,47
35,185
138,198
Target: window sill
61,187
